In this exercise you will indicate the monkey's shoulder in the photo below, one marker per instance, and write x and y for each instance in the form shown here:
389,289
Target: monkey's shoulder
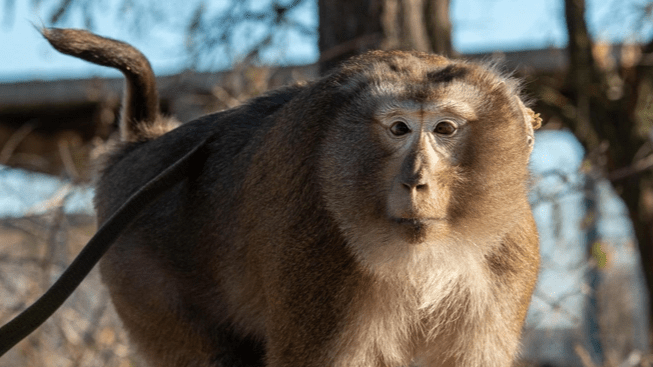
129,166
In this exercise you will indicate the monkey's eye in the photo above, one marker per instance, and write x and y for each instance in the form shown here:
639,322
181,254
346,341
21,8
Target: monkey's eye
399,128
445,128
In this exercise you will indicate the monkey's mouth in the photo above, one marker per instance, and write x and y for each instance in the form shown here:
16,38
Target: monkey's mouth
416,222
415,230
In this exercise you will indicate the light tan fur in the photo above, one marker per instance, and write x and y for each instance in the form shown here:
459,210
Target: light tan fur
375,217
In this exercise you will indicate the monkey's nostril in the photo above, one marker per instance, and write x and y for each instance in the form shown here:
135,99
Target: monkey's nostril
416,186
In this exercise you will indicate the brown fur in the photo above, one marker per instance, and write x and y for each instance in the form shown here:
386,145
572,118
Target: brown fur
140,117
313,236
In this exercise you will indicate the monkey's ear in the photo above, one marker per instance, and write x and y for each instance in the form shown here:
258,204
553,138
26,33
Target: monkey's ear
532,119
535,119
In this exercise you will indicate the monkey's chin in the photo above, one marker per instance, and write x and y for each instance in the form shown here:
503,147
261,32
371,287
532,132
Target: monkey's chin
417,230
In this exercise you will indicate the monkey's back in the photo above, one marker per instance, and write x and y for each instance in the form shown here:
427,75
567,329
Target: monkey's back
163,265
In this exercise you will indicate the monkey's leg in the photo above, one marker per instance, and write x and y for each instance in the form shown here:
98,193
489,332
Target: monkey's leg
165,319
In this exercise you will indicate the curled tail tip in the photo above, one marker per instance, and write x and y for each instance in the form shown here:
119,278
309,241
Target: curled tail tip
68,41
50,34
41,28
140,118
56,35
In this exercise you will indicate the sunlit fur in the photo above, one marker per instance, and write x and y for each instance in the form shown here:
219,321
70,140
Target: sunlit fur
332,224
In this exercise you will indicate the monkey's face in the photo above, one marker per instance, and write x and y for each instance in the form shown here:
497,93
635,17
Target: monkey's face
423,145
423,151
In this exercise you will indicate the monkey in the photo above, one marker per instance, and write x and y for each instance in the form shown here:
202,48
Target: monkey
377,216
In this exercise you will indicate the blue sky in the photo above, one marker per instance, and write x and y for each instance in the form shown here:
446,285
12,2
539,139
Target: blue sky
479,25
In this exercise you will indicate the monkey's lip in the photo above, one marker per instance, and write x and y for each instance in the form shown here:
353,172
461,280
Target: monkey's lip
417,221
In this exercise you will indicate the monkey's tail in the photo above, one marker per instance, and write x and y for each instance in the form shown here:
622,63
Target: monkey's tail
140,111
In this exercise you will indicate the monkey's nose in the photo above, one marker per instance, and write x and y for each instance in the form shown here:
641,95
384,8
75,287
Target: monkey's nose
414,172
416,183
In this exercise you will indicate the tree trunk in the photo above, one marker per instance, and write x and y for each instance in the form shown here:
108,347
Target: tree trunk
349,27
438,26
581,73
599,120
591,322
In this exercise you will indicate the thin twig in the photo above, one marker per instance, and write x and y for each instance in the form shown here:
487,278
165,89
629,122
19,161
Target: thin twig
15,139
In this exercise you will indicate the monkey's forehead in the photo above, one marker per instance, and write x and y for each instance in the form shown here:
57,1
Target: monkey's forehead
460,98
386,105
423,77
468,101
420,66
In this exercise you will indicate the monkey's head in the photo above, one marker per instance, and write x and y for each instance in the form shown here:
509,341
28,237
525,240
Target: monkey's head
423,152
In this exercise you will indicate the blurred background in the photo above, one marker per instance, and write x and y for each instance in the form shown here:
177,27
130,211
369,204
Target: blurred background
587,66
